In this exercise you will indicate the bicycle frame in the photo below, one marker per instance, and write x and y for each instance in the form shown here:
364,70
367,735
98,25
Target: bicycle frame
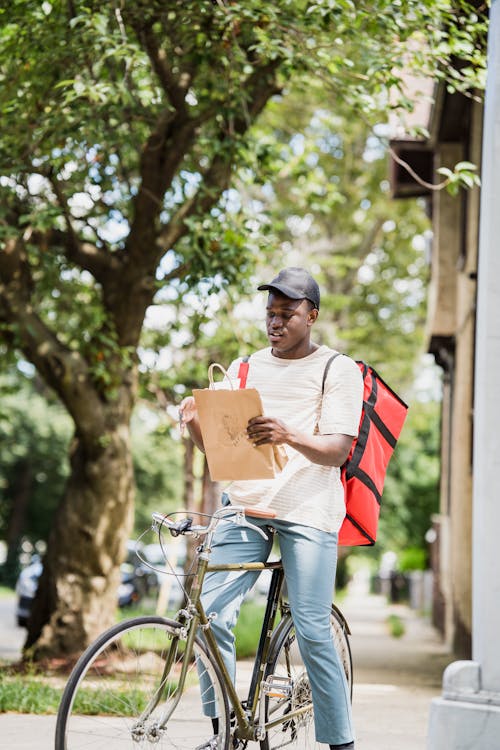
194,617
159,668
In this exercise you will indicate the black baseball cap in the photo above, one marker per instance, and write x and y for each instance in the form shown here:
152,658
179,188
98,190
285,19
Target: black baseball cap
296,283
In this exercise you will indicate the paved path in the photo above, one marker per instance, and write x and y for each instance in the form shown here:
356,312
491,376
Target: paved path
395,681
12,636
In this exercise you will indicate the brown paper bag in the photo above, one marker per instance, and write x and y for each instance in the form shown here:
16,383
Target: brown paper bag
224,415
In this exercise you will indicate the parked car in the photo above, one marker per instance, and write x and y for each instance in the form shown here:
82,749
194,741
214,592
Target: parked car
26,587
137,581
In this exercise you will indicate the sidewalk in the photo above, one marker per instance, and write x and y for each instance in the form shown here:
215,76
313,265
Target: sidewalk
395,680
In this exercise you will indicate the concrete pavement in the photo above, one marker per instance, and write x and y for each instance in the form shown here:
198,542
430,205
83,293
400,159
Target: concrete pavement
12,637
394,681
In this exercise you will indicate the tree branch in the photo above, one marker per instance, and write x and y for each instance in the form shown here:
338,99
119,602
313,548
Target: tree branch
63,369
261,85
215,181
416,177
99,262
14,267
159,164
174,89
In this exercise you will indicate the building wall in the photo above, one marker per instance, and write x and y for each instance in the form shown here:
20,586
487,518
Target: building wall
451,329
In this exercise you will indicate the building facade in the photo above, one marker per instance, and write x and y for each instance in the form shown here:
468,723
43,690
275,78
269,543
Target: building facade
455,135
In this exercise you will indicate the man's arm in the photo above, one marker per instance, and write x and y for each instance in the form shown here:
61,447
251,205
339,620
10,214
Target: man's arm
326,450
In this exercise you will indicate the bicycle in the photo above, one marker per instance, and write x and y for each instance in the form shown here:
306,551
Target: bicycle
151,681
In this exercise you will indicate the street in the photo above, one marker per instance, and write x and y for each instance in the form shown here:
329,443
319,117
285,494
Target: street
11,636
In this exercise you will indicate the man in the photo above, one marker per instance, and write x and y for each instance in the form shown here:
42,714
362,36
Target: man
307,496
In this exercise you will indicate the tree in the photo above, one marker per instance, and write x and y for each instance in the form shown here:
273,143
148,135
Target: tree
34,436
158,471
329,201
121,129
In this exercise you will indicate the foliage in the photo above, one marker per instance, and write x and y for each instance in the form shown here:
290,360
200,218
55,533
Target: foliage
123,128
74,184
247,629
71,174
463,175
34,437
412,558
330,204
28,695
396,626
411,492
157,468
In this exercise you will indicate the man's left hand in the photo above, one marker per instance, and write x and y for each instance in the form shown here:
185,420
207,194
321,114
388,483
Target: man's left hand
265,430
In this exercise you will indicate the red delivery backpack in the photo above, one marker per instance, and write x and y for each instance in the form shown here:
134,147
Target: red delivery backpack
363,474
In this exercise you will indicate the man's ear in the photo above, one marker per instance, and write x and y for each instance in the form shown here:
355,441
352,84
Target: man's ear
312,316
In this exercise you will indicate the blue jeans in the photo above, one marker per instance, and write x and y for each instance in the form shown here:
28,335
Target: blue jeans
309,561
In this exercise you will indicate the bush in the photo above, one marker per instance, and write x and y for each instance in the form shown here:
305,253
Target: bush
247,630
412,558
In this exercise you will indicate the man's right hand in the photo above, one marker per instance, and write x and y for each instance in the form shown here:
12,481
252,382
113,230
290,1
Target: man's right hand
187,410
188,415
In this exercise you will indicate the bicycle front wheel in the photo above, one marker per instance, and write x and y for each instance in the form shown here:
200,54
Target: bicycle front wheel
285,663
125,693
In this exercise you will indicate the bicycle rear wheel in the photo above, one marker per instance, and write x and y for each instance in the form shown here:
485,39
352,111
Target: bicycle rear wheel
125,685
285,662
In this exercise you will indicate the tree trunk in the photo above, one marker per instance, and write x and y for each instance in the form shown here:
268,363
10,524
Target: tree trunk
77,594
210,491
189,474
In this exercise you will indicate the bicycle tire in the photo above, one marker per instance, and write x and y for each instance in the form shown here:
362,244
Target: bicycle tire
121,673
285,661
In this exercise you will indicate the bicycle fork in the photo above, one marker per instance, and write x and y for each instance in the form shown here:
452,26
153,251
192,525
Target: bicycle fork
153,730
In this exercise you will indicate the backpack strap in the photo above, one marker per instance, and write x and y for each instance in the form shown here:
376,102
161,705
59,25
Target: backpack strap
327,368
325,375
243,371
245,365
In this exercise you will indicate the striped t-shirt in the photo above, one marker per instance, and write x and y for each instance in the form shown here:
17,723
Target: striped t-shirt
290,389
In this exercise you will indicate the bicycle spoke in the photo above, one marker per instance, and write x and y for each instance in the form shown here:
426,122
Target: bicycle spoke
120,697
296,730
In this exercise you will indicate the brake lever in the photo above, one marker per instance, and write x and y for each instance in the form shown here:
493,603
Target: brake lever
240,520
181,527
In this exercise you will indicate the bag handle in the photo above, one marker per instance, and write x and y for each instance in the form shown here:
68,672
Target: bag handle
243,371
211,368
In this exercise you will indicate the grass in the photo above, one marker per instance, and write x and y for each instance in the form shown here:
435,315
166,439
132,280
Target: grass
247,629
396,626
33,691
41,695
29,695
120,702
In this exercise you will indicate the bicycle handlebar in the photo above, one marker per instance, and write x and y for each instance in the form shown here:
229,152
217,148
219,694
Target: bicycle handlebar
185,526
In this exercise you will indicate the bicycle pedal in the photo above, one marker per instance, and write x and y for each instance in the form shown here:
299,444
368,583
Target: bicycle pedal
277,687
211,744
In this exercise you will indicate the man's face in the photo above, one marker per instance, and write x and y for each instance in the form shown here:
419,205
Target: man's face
288,323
